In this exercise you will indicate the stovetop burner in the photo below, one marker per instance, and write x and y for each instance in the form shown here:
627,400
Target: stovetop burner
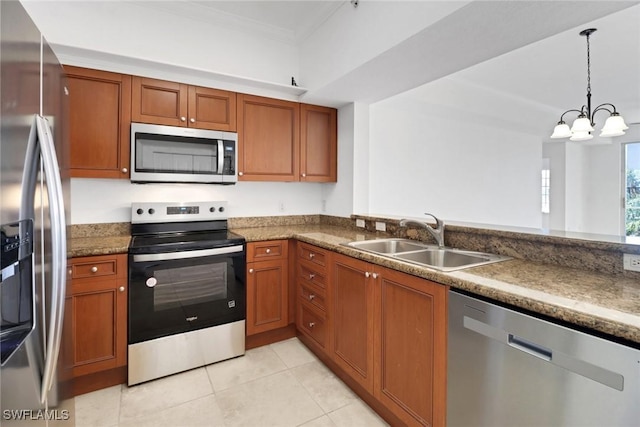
173,227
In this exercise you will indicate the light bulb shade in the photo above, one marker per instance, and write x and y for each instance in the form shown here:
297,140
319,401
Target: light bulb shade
561,131
614,124
582,124
611,134
581,136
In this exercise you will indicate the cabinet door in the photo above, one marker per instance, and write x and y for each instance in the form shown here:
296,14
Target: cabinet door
99,123
318,143
98,314
268,139
267,296
411,341
159,102
352,293
212,109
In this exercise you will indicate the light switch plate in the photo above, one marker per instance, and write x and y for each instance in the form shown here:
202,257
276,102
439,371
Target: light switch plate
381,226
360,223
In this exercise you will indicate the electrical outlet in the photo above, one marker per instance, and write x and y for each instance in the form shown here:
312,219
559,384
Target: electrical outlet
360,223
631,262
381,226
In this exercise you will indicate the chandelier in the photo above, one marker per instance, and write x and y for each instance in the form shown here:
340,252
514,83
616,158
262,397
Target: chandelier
583,125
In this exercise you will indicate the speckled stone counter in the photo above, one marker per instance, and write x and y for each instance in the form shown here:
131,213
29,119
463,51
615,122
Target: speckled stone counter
602,302
99,239
607,303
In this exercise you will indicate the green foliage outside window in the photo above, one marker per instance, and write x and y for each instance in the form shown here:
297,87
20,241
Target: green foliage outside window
633,203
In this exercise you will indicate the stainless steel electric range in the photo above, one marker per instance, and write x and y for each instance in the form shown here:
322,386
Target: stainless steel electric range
187,277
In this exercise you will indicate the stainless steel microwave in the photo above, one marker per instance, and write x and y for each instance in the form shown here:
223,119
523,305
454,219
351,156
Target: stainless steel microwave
175,154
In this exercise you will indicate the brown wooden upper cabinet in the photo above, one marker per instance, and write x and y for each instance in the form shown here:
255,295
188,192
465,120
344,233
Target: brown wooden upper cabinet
318,143
175,104
99,122
285,141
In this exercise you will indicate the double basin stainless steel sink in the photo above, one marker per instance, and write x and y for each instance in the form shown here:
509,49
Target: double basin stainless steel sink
431,256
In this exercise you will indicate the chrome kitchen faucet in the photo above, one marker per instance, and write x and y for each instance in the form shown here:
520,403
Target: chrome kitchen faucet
437,233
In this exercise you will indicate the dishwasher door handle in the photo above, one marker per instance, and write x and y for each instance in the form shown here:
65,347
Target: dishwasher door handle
532,348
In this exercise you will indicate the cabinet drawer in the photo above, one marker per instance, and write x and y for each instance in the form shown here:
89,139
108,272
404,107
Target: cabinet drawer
313,296
312,324
94,268
272,249
311,275
312,254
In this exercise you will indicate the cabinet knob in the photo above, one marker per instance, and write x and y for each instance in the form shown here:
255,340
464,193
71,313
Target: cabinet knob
304,175
125,170
312,324
375,275
311,255
311,276
192,120
251,270
121,288
268,251
94,269
240,173
183,119
367,274
311,297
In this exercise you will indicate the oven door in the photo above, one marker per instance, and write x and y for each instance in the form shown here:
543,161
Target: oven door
177,292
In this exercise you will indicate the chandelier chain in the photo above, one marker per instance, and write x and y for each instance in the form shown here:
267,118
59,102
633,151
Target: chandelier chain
588,66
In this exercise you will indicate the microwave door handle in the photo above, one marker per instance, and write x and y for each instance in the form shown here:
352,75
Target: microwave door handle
220,157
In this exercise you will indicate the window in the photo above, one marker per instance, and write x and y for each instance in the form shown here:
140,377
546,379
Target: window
632,189
546,181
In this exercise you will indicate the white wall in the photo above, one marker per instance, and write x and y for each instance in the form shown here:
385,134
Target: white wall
109,200
457,170
338,197
131,30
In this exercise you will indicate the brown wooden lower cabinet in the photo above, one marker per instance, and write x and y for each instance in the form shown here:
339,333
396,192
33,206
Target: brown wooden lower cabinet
267,286
385,332
96,310
410,342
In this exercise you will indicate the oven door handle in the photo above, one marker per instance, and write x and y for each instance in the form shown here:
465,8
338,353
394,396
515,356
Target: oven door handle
188,254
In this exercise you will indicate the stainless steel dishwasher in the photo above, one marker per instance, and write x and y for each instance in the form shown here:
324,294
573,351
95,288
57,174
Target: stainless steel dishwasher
507,368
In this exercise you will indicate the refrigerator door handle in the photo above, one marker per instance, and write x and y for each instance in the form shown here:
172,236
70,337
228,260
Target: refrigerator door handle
59,251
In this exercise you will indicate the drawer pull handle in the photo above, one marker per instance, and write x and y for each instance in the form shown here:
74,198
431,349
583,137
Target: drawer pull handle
311,255
312,324
311,276
121,288
311,297
268,251
94,269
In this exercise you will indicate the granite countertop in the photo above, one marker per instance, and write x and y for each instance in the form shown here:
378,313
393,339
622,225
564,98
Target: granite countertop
103,245
602,302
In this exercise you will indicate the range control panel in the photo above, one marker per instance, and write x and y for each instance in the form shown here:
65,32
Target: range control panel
142,213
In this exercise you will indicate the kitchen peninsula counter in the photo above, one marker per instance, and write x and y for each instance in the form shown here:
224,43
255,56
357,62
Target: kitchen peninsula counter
605,303
602,302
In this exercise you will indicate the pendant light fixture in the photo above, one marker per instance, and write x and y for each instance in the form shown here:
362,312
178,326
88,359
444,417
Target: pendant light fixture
583,125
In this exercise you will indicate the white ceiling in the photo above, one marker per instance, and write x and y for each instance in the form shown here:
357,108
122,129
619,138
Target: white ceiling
289,20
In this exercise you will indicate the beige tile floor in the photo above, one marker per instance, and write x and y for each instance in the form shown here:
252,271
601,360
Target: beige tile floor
282,384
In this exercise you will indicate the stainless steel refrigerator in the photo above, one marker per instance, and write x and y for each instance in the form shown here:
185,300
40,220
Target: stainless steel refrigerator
34,198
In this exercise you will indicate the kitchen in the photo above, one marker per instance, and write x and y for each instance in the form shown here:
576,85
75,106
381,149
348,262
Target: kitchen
358,189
